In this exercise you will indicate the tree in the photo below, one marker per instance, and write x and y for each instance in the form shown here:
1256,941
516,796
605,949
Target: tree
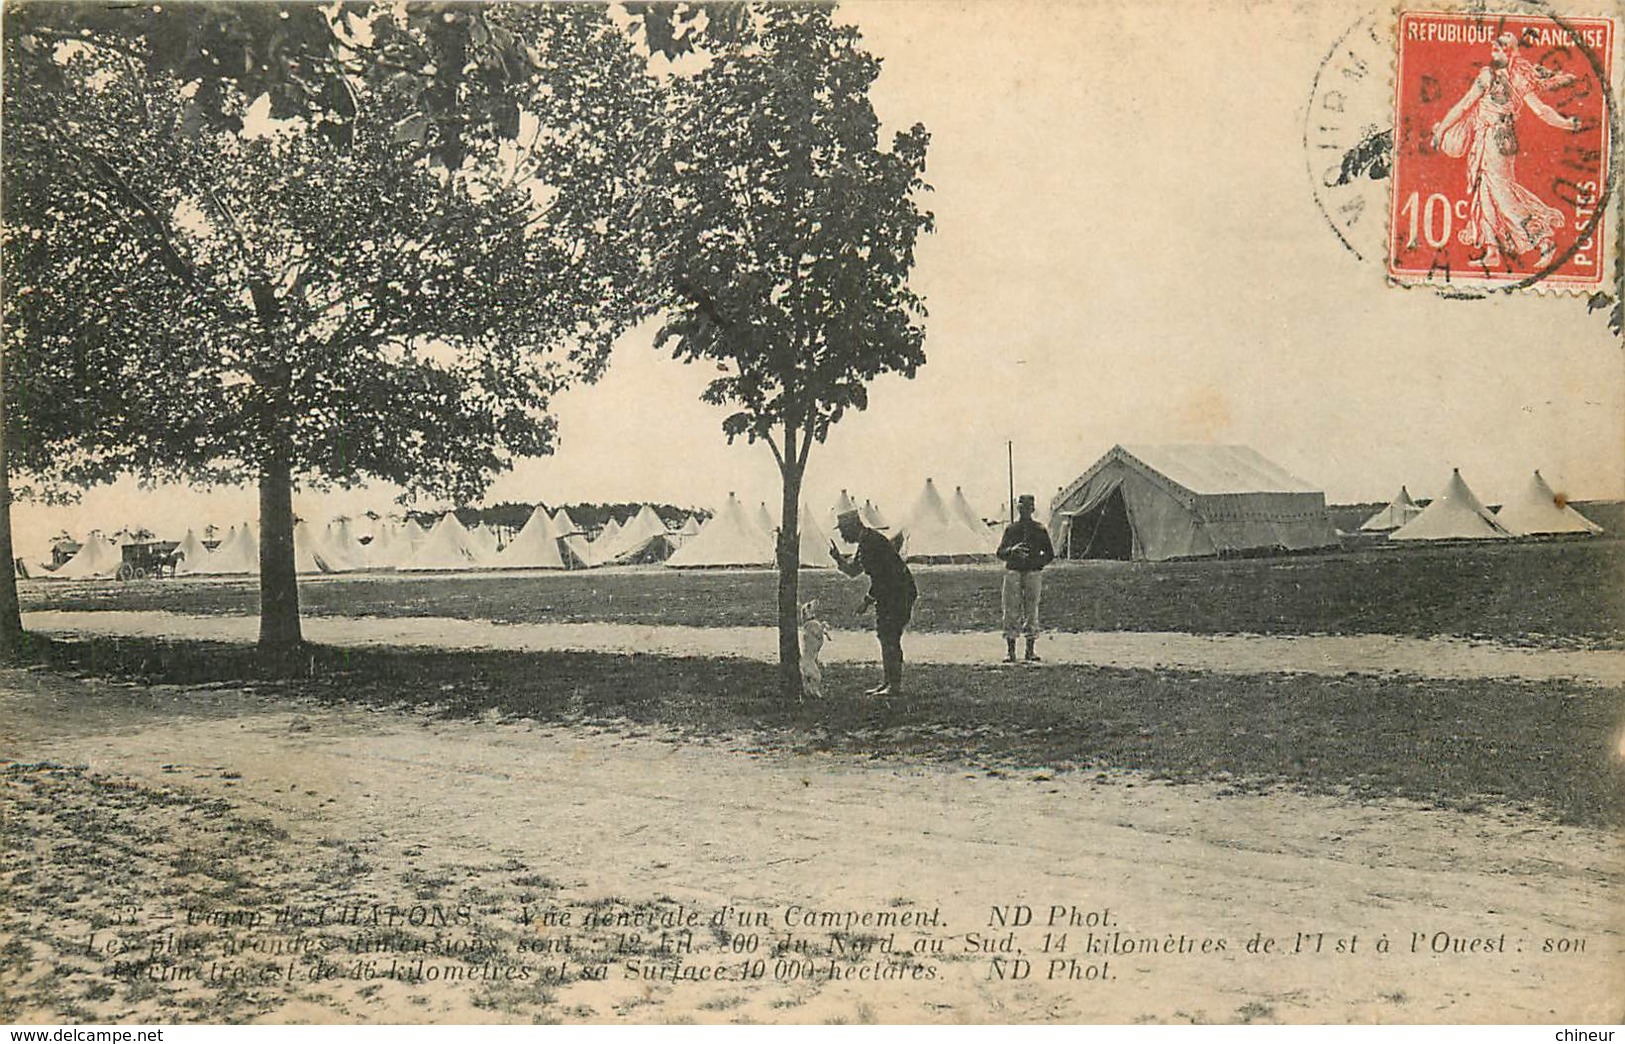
11,619
790,236
376,255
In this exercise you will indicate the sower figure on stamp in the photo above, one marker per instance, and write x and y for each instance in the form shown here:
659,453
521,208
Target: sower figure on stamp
1503,214
891,591
1025,550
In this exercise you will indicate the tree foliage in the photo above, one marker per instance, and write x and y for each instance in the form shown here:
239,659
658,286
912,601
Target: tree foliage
395,319
354,243
788,237
792,231
463,66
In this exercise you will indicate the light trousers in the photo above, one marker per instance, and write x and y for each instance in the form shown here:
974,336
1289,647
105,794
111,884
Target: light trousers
1019,599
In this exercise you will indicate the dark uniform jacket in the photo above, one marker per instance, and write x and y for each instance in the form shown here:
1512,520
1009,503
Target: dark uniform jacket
1040,552
891,585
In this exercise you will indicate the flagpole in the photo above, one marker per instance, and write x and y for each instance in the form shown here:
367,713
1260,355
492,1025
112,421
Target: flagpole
1010,449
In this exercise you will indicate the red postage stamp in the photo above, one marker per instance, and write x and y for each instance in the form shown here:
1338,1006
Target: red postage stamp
1502,135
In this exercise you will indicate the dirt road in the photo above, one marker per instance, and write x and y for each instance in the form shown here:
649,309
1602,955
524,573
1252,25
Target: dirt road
1238,654
190,832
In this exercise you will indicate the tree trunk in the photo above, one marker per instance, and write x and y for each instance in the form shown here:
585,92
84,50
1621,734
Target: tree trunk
789,554
11,620
279,585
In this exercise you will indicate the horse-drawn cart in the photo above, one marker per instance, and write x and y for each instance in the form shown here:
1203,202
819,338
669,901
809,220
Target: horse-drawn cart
153,559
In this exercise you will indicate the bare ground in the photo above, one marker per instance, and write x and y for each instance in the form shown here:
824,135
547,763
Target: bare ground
129,804
1234,654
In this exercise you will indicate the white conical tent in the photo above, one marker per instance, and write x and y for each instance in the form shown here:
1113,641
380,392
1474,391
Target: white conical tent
1537,512
872,517
581,550
608,543
33,569
1399,511
313,554
592,551
484,538
691,527
933,530
194,557
644,538
342,550
387,548
238,553
576,546
536,546
1456,514
404,541
973,521
341,539
814,544
661,541
446,547
764,520
961,507
414,534
305,556
730,538
98,557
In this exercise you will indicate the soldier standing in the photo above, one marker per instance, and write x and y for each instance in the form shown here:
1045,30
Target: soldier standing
1025,551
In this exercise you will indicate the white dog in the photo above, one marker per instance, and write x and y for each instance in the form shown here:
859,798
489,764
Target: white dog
814,633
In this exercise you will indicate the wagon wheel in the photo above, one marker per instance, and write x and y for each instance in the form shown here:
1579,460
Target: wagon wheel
142,573
126,571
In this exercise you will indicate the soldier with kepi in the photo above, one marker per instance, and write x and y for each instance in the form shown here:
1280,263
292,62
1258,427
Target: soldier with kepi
1025,551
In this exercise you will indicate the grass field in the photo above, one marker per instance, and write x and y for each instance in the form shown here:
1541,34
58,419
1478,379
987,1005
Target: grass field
1544,748
1540,593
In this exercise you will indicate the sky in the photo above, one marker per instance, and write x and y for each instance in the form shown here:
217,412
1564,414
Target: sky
1127,250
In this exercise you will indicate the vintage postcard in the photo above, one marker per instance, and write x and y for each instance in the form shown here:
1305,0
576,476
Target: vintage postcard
908,511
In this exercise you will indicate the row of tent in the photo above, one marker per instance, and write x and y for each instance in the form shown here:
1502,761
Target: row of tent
1458,514
544,542
936,529
1142,502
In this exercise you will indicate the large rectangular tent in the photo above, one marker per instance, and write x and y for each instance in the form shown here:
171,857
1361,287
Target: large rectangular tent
1154,503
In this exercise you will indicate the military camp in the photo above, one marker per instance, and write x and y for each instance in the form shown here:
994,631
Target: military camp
933,518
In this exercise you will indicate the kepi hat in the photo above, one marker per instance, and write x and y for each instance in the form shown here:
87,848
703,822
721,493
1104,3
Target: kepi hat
849,518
